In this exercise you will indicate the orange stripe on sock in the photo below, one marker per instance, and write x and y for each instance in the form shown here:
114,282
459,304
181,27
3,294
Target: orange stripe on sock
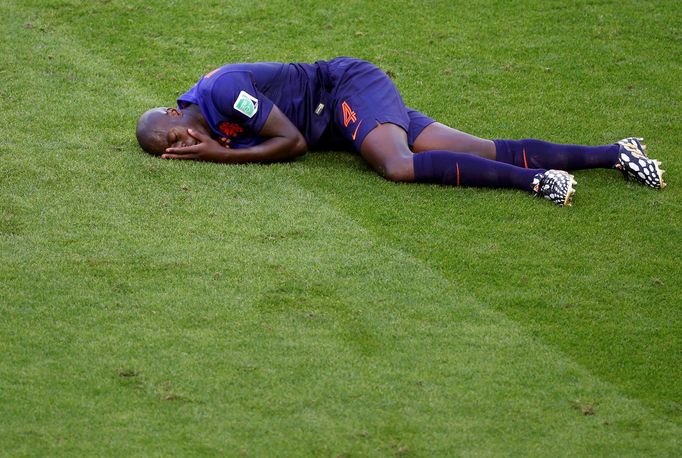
525,161
457,165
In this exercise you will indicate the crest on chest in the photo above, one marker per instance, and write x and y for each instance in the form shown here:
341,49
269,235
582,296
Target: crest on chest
230,129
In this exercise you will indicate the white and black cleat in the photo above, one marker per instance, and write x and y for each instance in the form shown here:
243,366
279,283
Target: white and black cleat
555,185
636,164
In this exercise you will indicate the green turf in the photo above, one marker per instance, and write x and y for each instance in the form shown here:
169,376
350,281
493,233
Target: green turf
173,308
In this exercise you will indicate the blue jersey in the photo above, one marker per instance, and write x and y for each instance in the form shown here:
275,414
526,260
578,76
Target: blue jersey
334,104
236,99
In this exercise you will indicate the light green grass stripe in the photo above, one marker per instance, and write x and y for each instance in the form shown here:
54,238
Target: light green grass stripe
470,382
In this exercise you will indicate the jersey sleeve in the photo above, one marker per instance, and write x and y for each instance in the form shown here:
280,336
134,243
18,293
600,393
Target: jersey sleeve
237,99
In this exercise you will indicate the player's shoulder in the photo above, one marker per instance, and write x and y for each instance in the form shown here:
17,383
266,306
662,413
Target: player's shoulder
224,80
225,72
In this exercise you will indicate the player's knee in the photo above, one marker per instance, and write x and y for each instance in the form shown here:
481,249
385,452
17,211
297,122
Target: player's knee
301,146
397,170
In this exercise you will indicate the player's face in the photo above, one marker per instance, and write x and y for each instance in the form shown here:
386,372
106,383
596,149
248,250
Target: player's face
177,135
161,128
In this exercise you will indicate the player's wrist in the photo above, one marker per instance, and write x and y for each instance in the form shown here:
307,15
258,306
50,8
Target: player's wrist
220,154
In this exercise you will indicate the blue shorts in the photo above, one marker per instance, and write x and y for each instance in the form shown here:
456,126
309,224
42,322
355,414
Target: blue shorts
364,97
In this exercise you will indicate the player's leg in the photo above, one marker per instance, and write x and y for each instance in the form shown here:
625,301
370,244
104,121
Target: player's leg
527,153
533,153
628,155
386,149
369,113
437,136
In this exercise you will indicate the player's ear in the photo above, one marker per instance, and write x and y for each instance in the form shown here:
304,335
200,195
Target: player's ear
174,112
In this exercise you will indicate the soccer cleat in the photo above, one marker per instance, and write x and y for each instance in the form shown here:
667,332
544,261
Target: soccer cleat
634,163
555,185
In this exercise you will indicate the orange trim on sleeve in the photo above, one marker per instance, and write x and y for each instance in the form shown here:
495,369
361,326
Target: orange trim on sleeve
210,74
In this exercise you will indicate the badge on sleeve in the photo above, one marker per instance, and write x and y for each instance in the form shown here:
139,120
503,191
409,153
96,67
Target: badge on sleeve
246,104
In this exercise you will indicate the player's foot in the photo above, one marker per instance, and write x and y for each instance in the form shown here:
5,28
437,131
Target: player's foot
555,185
635,164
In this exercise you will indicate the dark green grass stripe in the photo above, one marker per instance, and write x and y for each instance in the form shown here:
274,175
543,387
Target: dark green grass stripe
623,326
582,286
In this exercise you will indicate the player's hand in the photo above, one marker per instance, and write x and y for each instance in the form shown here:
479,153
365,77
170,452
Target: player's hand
207,149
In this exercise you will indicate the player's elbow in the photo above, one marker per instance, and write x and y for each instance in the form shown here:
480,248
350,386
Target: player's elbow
299,146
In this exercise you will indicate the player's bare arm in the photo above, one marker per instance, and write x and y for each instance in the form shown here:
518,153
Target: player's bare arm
283,142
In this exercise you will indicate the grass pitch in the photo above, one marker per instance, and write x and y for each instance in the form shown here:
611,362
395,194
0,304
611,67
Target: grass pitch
173,308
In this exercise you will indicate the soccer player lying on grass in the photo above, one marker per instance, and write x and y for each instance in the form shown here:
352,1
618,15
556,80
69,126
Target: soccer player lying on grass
269,112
